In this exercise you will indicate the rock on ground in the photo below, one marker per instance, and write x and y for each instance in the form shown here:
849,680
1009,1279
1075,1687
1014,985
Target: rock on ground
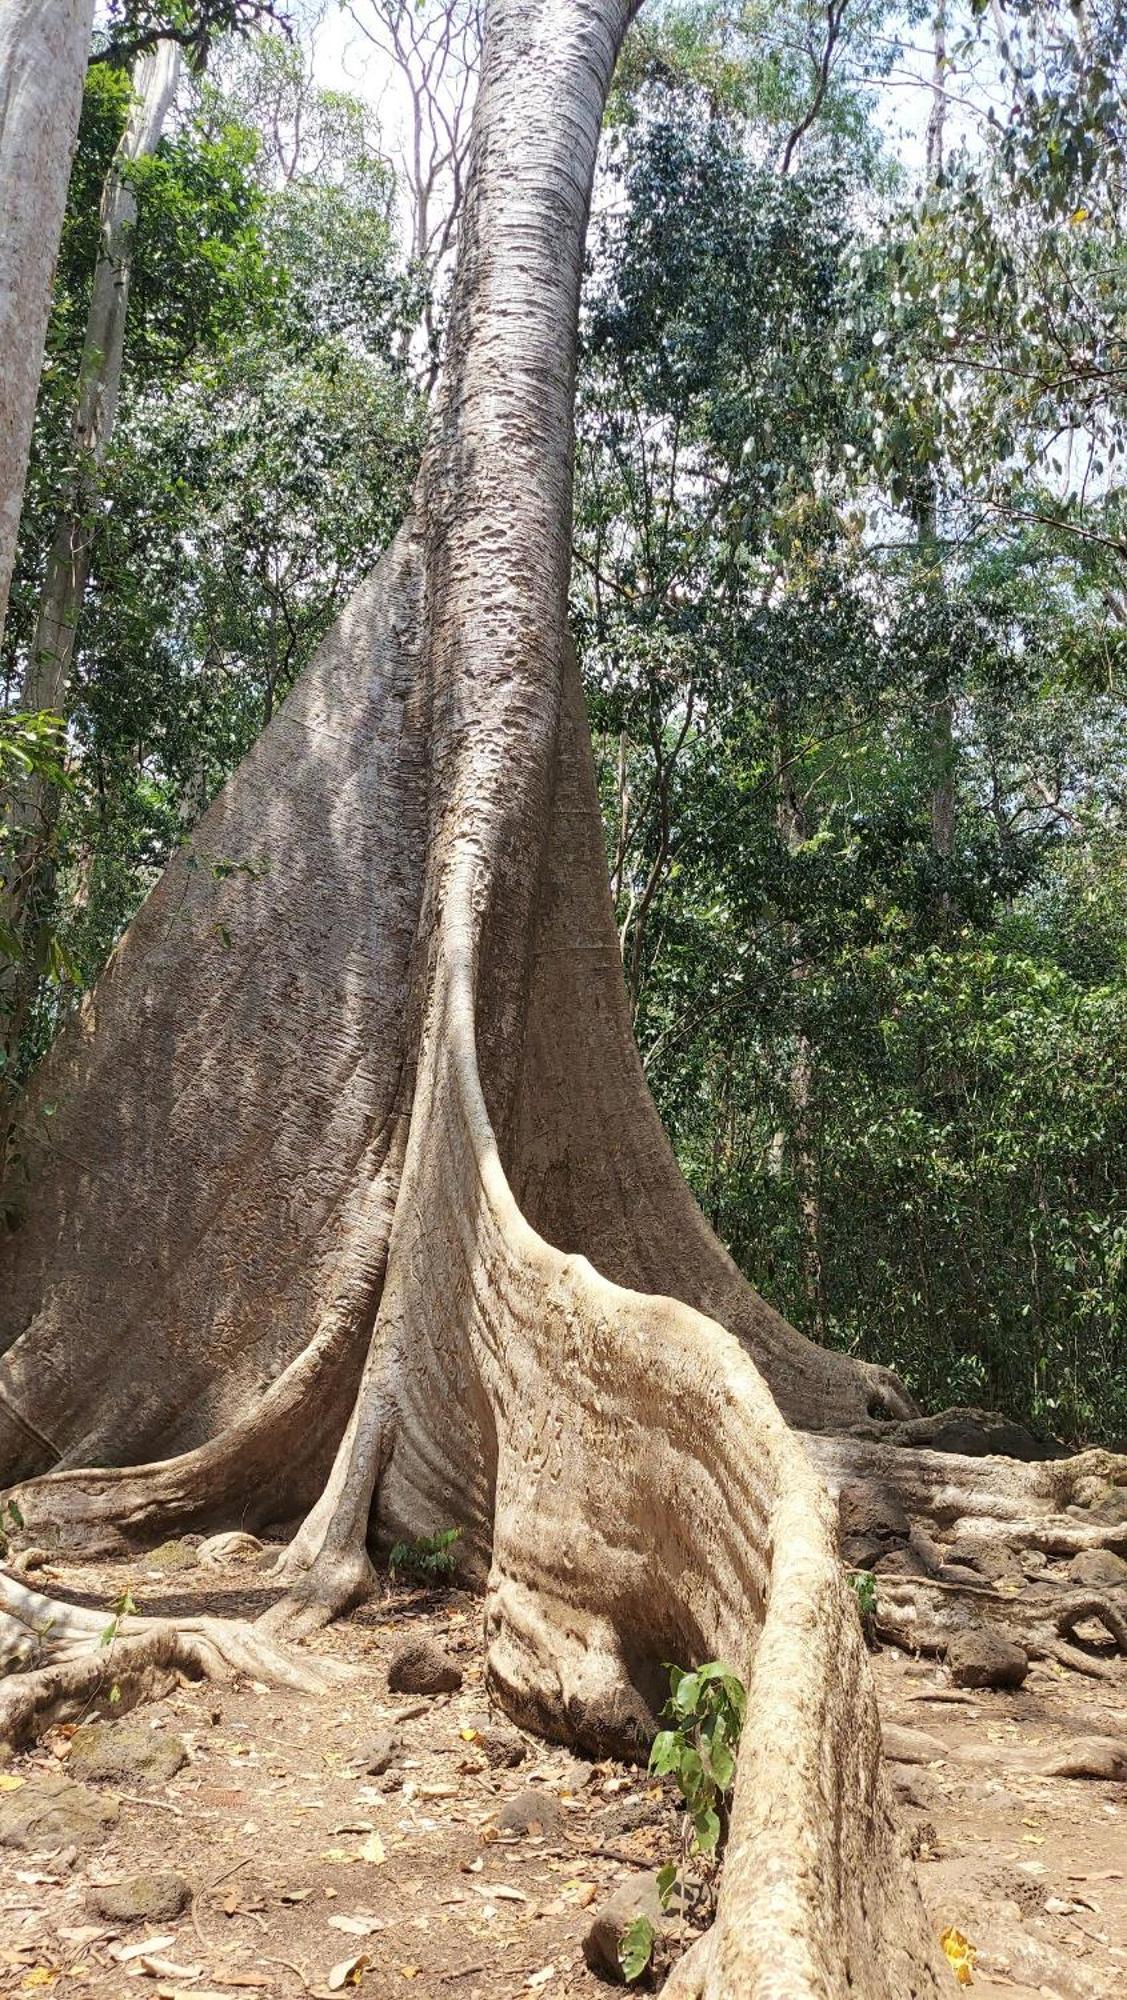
150,1898
422,1666
1099,1569
1093,1757
985,1659
632,1899
50,1813
117,1752
531,1811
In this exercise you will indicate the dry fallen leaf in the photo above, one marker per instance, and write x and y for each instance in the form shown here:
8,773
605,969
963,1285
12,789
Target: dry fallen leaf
248,1979
9,1781
41,1975
357,1926
166,1968
961,1955
372,1850
541,1978
347,1972
503,1892
123,1953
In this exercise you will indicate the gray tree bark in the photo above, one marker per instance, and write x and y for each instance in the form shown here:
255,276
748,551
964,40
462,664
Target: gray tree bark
43,52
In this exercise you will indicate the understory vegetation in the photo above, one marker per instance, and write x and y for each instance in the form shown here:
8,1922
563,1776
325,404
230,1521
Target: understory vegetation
850,598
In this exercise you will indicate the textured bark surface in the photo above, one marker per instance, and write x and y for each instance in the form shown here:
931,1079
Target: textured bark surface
43,50
351,1160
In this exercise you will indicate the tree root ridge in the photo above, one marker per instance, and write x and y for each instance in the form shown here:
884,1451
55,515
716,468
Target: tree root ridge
60,1658
924,1614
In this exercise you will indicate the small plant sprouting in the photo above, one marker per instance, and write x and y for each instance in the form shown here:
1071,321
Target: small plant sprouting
430,1559
705,1712
11,1521
865,1585
124,1606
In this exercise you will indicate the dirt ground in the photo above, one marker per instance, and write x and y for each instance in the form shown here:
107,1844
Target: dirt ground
311,1876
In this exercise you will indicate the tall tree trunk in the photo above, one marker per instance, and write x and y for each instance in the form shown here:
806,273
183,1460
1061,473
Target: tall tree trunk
791,820
43,51
941,728
354,1183
28,889
99,385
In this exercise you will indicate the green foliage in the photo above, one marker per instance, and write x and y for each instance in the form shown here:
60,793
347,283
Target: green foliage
888,1064
430,1559
11,1521
635,1949
865,1587
705,1714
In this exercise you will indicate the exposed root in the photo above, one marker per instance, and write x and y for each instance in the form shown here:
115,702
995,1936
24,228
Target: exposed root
59,1657
923,1615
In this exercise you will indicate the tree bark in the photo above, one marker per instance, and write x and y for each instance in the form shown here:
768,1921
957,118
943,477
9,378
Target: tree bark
353,1197
99,385
43,51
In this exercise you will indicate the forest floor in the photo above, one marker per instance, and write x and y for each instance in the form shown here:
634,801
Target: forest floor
310,1875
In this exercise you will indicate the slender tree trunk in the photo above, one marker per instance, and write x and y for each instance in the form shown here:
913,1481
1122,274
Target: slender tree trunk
99,385
43,51
941,727
28,891
791,821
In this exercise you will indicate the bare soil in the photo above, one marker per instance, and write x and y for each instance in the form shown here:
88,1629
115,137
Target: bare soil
300,1861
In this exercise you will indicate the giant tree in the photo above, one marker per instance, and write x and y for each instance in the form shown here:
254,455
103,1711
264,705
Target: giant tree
353,1194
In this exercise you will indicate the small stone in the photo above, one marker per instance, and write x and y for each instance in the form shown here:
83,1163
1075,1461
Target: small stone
152,1898
910,1746
985,1659
384,1750
1099,1569
627,1815
119,1752
575,1776
49,1813
992,1561
170,1557
632,1899
899,1562
502,1747
423,1667
533,1812
1093,1757
872,1521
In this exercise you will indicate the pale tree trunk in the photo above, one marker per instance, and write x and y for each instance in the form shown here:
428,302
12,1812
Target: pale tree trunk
44,46
791,820
99,385
942,697
28,889
354,1194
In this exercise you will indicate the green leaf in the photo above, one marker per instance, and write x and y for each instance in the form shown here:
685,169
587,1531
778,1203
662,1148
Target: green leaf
666,1881
635,1948
706,1827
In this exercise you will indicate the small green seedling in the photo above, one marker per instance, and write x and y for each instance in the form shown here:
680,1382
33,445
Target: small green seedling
705,1712
865,1585
124,1606
11,1521
636,1949
430,1559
